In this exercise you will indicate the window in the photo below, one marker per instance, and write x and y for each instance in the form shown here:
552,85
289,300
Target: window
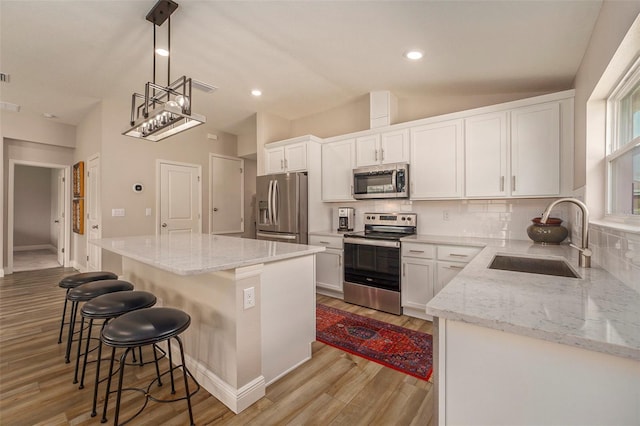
623,147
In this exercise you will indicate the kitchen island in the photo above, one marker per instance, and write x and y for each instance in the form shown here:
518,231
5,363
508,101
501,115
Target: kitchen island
522,348
251,302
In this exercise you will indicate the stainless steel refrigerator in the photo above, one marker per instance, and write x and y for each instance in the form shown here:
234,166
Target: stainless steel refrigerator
281,201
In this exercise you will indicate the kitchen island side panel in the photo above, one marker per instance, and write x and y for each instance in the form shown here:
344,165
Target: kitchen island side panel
494,377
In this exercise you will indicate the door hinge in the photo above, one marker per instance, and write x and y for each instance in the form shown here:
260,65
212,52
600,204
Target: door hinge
88,174
198,178
87,258
62,250
241,220
241,170
64,180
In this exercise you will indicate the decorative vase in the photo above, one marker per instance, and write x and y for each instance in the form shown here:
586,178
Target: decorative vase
551,232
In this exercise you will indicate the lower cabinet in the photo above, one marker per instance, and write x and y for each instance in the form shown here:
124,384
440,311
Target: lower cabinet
329,265
427,269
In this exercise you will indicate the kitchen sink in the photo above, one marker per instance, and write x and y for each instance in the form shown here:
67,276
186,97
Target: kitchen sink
533,265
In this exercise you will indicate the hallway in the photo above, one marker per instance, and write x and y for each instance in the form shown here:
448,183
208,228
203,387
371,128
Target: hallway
31,260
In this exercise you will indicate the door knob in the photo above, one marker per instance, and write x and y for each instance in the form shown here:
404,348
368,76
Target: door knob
164,225
56,221
94,227
215,209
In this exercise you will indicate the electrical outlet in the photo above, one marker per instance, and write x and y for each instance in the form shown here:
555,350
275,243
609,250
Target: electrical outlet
445,215
249,297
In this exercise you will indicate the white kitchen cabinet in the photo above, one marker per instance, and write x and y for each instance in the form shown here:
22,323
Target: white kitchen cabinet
437,161
486,154
382,148
535,150
451,260
286,158
338,161
524,161
329,265
417,278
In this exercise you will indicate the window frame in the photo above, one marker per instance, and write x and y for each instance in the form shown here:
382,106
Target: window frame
628,81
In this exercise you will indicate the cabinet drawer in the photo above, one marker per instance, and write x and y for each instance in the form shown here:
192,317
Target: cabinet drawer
424,251
457,253
326,241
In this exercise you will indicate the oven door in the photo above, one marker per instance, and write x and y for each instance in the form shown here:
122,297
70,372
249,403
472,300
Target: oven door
372,263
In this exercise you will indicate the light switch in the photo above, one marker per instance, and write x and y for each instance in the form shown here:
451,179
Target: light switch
117,212
147,211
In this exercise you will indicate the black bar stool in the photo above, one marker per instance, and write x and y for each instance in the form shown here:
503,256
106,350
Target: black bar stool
146,327
73,281
107,307
86,292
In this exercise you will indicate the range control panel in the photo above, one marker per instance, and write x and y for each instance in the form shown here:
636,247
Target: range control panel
393,219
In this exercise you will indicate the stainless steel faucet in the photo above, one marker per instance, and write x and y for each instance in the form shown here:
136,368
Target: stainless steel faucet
585,252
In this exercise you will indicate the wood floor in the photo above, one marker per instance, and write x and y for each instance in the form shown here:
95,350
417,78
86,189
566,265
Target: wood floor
334,388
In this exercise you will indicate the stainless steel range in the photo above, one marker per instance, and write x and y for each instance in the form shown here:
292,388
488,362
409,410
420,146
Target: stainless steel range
372,261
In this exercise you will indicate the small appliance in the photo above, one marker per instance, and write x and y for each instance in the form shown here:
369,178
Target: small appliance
346,219
382,181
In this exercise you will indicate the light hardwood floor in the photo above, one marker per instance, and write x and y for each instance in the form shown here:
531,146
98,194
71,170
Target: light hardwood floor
334,388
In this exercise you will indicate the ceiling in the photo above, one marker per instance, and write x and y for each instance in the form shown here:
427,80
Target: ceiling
305,56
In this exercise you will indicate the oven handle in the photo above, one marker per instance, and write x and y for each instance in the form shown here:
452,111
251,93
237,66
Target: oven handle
371,242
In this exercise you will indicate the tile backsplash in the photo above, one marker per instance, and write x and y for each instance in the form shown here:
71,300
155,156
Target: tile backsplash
507,218
617,251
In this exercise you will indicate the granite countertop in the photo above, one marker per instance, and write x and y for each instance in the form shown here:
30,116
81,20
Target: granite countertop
202,253
328,233
596,312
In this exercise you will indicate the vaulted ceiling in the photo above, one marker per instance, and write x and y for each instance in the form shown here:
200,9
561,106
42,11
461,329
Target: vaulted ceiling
305,56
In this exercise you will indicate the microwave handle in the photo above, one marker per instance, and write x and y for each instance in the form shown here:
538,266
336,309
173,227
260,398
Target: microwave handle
394,179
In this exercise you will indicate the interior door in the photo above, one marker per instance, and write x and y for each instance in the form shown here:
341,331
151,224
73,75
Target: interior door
94,218
226,195
59,215
180,198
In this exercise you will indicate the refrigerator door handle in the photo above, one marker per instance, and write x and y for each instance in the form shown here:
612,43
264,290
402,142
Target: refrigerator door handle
270,207
276,200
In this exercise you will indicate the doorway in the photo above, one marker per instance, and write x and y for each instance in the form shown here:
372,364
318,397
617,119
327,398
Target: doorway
38,219
179,200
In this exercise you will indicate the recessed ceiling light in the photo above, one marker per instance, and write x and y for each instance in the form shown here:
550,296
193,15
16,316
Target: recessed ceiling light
414,55
256,92
162,52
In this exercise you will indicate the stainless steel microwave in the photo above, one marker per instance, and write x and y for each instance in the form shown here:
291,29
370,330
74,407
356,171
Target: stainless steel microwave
384,181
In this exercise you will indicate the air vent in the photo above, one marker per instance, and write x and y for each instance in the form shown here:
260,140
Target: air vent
4,78
207,88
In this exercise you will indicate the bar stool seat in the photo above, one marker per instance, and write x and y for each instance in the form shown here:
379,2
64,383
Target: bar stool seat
86,292
146,327
73,281
107,307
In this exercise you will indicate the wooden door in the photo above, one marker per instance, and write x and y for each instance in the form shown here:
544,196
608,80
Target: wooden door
180,198
93,223
226,195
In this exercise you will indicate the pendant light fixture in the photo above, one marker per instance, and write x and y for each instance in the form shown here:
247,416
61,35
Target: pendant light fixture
162,111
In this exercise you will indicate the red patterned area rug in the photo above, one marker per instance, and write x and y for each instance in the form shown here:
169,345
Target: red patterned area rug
396,347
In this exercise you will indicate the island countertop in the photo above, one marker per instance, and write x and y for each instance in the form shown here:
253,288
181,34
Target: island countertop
201,253
596,312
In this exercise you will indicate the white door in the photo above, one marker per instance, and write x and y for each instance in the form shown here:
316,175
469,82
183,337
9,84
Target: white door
180,198
59,215
226,195
93,223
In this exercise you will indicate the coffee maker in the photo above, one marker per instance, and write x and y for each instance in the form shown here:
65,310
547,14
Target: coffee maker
346,219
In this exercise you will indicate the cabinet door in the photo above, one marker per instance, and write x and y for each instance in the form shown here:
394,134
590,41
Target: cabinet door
436,160
445,271
367,150
535,150
486,155
295,157
274,160
417,282
329,270
394,147
338,161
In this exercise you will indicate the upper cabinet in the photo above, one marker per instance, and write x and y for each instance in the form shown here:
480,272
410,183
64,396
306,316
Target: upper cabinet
522,162
287,158
338,161
382,148
436,169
